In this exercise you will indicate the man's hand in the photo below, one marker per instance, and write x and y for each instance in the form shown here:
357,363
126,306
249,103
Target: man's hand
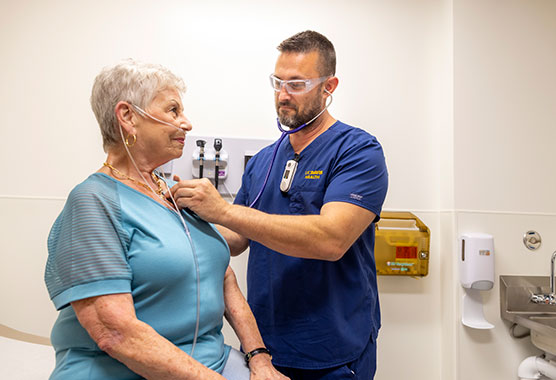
261,368
201,197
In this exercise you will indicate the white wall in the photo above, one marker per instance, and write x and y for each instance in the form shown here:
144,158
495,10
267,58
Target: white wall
504,129
505,105
425,77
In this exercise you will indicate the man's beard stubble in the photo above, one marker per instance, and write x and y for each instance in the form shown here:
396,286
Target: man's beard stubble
297,119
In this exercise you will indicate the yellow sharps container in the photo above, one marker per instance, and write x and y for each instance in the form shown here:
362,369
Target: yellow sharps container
402,243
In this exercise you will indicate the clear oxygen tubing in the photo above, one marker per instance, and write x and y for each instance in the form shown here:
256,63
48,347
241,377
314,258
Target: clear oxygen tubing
187,232
146,114
284,134
228,191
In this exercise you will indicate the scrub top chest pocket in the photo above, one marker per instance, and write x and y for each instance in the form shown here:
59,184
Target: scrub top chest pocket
306,194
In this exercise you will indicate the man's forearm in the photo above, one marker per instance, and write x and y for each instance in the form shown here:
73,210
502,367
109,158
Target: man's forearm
305,236
326,236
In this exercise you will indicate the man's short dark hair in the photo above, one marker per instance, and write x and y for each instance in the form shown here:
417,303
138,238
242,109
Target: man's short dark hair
309,41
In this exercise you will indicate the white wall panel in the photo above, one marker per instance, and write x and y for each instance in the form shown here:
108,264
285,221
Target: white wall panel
411,318
505,91
24,301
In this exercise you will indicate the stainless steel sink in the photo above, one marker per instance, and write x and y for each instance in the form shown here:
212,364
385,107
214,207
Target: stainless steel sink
516,306
549,321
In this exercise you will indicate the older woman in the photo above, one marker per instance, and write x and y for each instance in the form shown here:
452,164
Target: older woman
142,286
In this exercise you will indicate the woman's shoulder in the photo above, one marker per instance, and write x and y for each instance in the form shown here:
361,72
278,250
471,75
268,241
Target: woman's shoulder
97,187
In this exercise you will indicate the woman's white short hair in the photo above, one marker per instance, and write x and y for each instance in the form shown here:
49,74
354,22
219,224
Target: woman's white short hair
130,81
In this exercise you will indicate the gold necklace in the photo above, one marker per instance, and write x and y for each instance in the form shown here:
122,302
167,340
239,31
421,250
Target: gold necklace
158,181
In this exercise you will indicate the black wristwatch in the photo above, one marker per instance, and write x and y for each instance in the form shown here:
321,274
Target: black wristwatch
256,351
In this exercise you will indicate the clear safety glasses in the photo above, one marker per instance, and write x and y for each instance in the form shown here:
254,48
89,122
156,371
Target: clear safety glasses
296,86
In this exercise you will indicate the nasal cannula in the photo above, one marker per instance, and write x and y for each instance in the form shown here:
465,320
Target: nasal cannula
176,211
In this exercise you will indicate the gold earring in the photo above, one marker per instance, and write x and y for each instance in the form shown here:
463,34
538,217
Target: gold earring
127,141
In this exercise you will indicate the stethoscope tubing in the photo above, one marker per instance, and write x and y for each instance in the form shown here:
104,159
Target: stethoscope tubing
279,142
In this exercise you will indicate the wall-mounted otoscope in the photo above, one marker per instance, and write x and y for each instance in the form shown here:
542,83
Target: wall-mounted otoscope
201,145
217,148
210,162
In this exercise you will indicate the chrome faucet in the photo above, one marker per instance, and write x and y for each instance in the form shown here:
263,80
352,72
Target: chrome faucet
552,273
549,299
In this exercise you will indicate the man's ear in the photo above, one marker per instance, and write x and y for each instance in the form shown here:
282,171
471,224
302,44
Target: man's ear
126,117
331,84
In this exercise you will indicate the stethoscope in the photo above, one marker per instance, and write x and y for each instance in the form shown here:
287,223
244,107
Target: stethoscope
289,172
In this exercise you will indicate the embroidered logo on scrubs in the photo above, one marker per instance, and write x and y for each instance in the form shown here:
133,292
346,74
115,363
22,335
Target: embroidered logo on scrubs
313,174
356,197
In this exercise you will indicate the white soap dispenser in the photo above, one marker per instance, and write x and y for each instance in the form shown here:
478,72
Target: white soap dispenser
476,270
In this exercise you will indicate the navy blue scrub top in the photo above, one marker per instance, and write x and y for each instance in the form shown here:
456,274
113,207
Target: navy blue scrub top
314,313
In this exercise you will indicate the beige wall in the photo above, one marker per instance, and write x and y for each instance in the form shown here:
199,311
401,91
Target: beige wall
504,133
460,93
505,105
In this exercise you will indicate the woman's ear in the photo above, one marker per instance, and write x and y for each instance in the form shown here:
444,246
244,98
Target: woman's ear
126,117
